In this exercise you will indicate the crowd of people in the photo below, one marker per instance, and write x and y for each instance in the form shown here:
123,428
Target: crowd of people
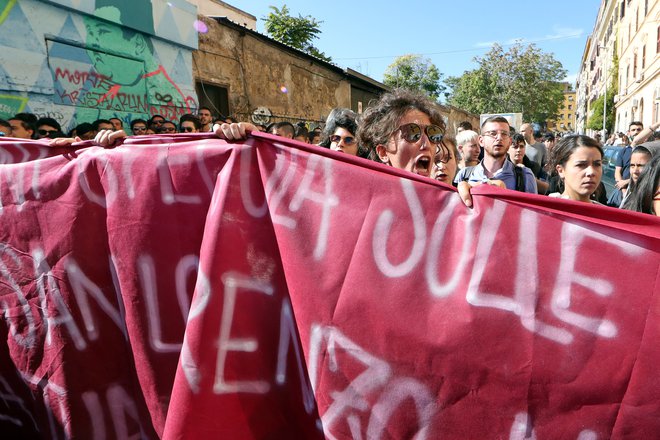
406,130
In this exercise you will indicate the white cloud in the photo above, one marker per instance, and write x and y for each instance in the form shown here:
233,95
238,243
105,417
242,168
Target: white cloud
559,33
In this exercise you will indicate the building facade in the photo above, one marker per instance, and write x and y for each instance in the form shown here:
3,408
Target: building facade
565,122
89,59
622,53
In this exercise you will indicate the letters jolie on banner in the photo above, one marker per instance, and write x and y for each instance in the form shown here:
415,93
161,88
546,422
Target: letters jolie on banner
185,287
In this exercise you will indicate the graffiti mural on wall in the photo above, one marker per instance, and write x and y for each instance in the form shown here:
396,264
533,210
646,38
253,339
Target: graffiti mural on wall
91,67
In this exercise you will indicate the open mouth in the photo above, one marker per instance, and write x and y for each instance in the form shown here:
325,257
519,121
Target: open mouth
423,165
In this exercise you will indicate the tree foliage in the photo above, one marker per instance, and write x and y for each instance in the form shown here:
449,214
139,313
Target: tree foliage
595,119
522,79
413,72
298,32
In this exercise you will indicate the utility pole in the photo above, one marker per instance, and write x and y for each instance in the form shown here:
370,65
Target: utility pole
605,94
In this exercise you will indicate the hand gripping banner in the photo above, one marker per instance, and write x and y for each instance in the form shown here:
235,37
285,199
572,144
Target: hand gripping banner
185,287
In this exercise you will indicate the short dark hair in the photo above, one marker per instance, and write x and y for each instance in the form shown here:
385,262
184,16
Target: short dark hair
635,123
499,119
517,137
121,123
285,125
30,118
548,137
192,118
5,124
465,125
98,122
83,128
138,121
301,130
49,121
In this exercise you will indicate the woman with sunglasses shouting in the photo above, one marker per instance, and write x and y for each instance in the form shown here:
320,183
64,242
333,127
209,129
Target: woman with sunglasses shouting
404,130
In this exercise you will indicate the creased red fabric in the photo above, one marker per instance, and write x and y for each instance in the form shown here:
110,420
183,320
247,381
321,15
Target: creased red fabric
186,287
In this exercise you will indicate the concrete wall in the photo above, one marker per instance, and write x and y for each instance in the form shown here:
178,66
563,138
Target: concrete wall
76,60
217,8
260,73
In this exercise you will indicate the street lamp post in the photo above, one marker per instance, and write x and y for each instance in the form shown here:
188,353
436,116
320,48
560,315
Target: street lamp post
605,95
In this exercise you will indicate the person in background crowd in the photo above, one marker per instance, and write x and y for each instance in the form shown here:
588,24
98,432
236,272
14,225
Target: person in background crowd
445,166
189,124
167,127
284,129
597,138
102,124
646,196
314,137
645,134
48,128
638,160
206,119
138,127
405,130
578,160
468,147
549,142
495,169
117,124
156,121
5,128
231,120
517,150
622,164
464,126
22,127
535,151
85,131
340,131
301,132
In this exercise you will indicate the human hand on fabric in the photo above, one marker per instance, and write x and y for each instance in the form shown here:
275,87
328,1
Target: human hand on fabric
234,131
109,138
464,189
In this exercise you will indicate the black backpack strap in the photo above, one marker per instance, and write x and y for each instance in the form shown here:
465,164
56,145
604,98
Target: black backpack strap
520,178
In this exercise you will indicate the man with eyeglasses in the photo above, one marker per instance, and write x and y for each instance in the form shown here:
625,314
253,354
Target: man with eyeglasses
138,127
495,168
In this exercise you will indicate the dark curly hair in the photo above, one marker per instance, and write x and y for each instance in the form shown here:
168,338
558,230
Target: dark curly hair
382,118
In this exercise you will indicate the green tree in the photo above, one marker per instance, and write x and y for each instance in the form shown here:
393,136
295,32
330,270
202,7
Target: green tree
522,79
298,32
413,72
595,120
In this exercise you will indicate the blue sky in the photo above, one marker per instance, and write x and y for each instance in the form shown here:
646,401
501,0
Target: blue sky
368,35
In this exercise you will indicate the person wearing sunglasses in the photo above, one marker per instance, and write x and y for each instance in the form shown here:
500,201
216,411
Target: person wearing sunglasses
494,168
167,127
189,124
339,131
48,128
404,129
138,127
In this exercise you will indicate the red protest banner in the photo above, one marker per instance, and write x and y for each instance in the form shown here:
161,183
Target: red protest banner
193,288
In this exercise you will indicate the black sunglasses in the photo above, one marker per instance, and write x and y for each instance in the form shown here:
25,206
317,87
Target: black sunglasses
43,132
348,140
187,129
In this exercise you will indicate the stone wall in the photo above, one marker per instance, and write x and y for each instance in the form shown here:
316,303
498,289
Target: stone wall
259,72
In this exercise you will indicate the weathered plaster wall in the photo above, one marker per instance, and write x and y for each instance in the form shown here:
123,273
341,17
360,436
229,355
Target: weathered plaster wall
261,74
78,65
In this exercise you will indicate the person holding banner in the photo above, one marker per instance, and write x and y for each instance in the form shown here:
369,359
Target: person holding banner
578,160
405,130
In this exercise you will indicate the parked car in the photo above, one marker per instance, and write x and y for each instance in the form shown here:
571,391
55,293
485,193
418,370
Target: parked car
609,164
